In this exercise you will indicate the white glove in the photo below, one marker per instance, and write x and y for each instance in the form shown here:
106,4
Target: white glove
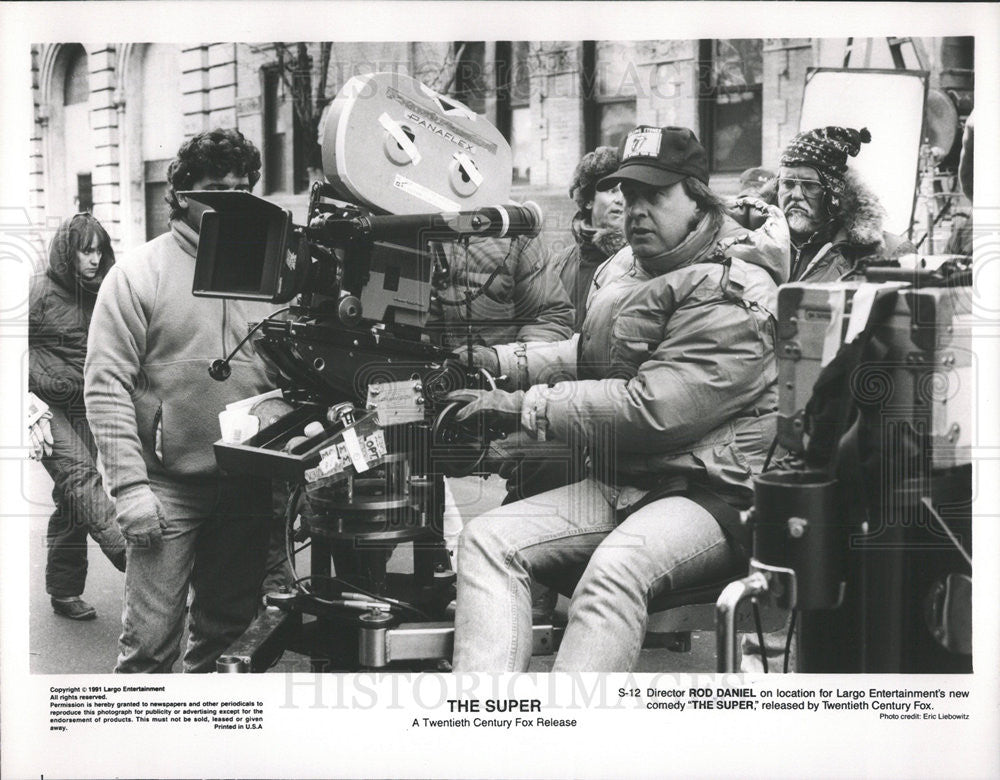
39,428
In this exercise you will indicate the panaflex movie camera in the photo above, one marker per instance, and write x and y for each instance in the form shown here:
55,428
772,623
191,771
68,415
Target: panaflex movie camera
363,430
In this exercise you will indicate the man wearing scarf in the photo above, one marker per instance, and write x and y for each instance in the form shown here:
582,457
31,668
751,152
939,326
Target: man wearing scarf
671,387
597,227
154,411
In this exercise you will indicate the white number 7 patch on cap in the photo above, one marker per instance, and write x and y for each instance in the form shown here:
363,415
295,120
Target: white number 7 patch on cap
644,142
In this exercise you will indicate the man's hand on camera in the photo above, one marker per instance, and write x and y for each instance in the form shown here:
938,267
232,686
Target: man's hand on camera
482,357
140,516
501,410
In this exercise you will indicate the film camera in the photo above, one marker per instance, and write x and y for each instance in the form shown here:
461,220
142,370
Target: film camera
364,431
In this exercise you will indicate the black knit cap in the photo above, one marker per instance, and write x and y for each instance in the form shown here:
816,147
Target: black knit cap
826,149
659,157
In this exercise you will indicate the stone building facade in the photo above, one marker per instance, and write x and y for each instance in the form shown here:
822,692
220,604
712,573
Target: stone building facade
109,117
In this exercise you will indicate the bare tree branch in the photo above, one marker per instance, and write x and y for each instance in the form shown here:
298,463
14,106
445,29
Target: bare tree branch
446,65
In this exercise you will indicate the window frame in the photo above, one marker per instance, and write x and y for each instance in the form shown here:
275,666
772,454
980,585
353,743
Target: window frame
708,92
594,104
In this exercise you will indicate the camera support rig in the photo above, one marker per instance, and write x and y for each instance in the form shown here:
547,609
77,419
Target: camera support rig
368,388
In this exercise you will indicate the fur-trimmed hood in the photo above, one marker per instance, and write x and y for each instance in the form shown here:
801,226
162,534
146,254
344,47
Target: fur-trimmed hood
859,217
606,240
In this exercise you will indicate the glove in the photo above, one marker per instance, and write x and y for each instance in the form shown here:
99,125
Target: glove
482,357
753,210
39,428
40,435
501,410
140,516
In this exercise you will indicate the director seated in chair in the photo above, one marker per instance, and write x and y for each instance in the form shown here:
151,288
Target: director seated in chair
671,386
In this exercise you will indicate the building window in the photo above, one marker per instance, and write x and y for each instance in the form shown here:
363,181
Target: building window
157,208
274,131
609,88
513,89
300,153
285,136
162,130
77,86
162,112
84,192
730,102
75,129
471,84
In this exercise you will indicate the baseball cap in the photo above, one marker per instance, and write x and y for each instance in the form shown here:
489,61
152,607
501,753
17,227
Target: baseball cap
659,157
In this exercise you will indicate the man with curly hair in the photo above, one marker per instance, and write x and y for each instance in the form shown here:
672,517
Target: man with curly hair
597,227
154,412
834,219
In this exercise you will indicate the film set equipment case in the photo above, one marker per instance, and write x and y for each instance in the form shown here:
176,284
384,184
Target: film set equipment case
907,600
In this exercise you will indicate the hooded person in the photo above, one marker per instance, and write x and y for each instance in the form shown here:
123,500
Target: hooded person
61,304
671,387
597,227
154,411
834,219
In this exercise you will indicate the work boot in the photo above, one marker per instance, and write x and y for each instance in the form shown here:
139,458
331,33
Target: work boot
74,608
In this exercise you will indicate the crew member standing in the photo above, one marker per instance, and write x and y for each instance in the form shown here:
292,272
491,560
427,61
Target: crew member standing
61,304
154,411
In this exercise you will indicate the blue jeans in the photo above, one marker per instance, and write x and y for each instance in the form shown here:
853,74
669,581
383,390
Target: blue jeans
82,506
566,537
215,542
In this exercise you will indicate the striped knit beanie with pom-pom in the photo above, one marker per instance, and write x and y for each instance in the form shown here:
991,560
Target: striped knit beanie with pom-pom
826,149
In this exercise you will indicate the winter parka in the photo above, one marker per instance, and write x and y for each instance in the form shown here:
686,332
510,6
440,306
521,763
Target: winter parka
856,234
524,299
60,308
577,263
672,380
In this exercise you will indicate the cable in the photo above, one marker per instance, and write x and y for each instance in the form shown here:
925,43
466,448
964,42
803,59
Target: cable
290,515
282,562
344,583
788,640
944,210
299,582
770,453
220,370
469,297
930,508
760,634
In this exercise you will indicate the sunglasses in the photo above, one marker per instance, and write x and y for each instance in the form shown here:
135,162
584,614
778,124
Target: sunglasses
809,187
